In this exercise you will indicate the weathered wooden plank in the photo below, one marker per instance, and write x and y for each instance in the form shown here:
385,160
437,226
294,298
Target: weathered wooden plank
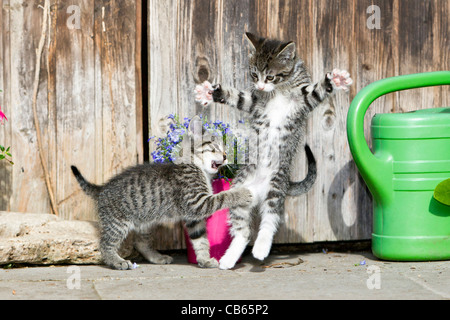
51,134
441,47
76,119
415,42
25,29
99,126
332,49
6,185
233,19
162,37
163,23
138,79
202,61
377,53
118,41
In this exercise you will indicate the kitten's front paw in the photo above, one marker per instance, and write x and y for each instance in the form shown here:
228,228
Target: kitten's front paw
121,265
211,263
204,93
163,259
340,79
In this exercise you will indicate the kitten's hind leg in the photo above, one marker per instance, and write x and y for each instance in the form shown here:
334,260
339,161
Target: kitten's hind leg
143,243
267,230
271,210
197,233
240,230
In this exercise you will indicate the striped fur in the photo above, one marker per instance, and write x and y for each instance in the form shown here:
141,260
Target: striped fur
278,106
146,195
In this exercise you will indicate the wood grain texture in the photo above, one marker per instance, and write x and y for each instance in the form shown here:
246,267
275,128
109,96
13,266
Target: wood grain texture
86,100
332,49
163,90
329,34
75,128
27,175
89,93
5,130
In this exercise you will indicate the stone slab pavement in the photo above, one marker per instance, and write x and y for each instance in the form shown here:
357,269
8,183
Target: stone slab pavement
285,276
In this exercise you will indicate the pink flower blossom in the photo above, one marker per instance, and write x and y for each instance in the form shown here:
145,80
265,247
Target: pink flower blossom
2,116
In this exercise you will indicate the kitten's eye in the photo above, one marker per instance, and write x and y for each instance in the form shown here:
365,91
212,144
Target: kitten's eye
254,75
270,78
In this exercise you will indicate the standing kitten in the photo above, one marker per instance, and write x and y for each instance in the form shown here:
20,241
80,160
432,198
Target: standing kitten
278,105
148,194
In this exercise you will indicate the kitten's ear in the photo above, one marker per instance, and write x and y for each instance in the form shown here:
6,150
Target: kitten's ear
196,126
254,41
287,51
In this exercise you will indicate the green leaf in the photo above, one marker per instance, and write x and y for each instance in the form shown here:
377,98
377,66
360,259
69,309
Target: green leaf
2,157
442,192
2,148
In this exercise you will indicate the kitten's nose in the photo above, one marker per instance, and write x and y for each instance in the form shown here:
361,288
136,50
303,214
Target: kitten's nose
261,86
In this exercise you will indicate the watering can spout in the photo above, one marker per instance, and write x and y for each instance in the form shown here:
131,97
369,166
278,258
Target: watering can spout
376,169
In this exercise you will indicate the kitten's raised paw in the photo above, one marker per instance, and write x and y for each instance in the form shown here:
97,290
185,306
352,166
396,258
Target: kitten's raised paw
340,79
204,93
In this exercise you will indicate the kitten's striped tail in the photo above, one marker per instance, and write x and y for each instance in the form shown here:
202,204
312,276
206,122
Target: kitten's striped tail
302,187
90,189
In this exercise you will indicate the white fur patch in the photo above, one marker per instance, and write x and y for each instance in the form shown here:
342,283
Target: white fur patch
263,243
233,253
278,110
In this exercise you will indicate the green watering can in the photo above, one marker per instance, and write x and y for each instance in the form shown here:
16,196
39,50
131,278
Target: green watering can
411,157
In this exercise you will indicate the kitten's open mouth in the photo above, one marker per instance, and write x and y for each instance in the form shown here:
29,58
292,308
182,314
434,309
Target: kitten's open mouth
215,165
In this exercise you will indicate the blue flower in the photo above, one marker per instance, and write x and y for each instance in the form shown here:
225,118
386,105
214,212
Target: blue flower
167,147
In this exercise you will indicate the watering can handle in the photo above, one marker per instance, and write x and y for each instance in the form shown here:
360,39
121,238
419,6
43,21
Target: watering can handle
373,168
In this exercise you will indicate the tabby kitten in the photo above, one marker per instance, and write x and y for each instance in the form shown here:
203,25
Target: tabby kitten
149,194
278,106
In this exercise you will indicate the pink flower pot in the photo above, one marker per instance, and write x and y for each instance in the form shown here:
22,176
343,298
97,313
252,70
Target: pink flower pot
216,227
